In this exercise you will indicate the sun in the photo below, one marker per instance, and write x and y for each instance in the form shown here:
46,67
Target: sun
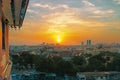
59,39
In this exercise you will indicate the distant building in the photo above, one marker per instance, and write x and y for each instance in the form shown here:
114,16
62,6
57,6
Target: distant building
98,76
12,14
82,43
34,76
89,43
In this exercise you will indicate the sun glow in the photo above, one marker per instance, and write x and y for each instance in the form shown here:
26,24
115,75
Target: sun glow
59,39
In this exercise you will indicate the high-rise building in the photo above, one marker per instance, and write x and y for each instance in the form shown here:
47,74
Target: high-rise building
89,43
12,14
82,43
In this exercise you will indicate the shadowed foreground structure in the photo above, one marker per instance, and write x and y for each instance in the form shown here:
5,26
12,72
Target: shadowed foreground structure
12,13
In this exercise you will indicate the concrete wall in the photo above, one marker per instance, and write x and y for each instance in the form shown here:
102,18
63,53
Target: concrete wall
0,46
4,53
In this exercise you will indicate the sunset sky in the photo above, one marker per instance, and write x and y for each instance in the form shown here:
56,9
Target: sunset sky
69,22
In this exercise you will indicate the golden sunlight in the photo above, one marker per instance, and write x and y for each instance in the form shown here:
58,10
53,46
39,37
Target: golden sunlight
59,39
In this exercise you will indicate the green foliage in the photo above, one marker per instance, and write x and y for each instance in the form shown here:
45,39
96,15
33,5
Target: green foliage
105,61
79,60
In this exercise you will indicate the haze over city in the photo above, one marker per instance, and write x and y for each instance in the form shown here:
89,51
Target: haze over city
69,22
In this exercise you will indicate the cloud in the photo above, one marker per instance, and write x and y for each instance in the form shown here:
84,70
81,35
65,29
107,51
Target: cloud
103,12
117,1
92,11
64,19
49,6
88,10
32,11
87,3
69,15
63,14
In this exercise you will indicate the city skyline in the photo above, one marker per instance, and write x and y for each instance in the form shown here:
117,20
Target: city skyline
69,22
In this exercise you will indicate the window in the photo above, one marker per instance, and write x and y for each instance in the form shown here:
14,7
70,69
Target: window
3,35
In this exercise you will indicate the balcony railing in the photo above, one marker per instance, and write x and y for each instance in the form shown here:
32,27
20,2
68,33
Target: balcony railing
7,71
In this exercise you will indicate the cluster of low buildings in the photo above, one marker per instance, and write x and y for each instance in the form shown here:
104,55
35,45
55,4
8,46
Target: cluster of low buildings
79,76
99,76
33,75
66,52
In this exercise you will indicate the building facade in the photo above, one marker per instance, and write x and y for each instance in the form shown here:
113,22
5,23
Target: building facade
98,76
12,13
89,43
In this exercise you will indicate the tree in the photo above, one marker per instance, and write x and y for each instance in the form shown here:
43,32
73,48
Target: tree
96,63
